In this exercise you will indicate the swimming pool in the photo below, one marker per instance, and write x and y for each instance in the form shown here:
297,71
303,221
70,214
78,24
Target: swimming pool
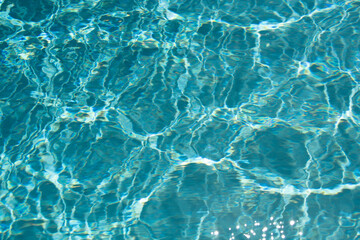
209,119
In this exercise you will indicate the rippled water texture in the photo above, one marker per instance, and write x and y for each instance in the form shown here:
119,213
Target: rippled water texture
188,119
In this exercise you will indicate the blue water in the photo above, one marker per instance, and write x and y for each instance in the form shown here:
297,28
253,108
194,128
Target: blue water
187,119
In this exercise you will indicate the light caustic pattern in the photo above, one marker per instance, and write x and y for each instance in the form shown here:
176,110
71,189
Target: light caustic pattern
191,119
264,231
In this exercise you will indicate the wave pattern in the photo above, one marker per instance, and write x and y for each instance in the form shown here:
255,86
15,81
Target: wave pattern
179,119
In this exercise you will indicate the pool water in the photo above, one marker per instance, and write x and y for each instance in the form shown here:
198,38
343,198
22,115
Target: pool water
180,119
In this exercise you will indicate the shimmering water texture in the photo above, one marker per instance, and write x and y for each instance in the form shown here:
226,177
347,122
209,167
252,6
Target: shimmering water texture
188,119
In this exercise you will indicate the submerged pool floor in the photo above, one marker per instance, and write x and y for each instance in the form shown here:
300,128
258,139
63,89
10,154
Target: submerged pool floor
188,119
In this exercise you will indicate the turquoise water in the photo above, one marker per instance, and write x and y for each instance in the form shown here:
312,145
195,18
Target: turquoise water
204,119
